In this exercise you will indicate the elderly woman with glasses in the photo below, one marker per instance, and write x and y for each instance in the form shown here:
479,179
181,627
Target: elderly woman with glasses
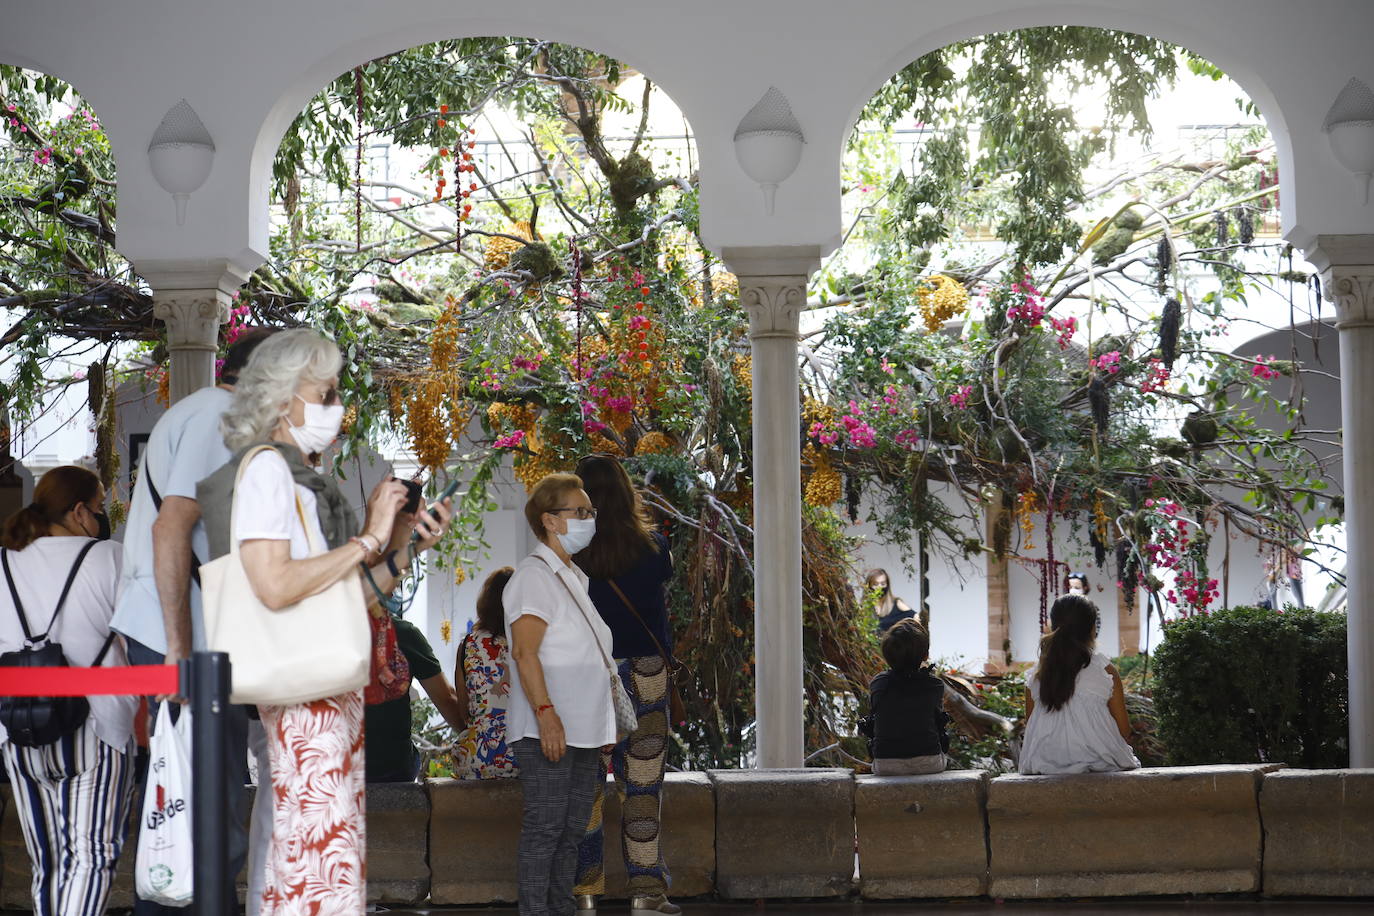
559,717
288,398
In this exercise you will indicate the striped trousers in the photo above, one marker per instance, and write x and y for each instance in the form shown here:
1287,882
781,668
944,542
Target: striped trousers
638,764
73,800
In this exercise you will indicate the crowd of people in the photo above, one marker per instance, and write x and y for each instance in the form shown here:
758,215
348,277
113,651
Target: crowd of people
566,674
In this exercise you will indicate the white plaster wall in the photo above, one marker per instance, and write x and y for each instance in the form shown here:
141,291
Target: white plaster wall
135,59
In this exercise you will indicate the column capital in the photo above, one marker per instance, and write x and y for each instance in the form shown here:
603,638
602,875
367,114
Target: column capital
772,285
774,305
192,317
1346,266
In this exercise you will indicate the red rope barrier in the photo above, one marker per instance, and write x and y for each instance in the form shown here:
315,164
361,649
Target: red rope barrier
80,682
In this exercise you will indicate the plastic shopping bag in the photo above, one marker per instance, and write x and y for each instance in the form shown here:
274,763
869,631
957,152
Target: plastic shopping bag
162,869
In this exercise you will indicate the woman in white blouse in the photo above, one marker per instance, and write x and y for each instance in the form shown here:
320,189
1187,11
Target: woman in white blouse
560,716
72,794
1076,719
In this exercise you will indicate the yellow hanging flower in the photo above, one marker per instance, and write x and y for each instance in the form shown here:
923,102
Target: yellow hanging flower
1027,504
446,627
654,443
941,298
744,373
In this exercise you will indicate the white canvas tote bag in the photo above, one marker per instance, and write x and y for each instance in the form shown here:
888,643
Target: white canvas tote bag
319,647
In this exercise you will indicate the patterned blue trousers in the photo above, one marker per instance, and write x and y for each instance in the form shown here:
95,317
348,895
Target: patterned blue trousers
638,763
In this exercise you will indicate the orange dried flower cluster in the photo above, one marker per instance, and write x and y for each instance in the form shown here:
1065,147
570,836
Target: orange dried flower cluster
654,442
1027,504
544,460
425,409
443,343
1102,520
824,486
498,249
744,373
940,299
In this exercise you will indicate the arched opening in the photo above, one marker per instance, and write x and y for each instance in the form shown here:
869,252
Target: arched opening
1039,304
514,270
75,311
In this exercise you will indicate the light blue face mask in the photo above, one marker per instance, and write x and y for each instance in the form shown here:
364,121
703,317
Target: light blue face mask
579,534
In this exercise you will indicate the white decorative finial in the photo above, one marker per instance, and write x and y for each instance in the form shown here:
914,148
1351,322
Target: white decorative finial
180,154
768,143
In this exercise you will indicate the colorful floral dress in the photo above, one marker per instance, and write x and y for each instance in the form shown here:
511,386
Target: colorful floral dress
484,661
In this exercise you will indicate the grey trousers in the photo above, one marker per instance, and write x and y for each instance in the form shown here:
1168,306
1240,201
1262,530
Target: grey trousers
558,801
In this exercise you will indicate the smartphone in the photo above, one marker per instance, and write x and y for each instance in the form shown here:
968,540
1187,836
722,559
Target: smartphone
447,493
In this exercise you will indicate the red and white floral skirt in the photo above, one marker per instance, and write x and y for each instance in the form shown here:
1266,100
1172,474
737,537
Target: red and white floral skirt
317,861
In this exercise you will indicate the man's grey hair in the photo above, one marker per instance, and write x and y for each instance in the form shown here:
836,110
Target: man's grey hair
266,385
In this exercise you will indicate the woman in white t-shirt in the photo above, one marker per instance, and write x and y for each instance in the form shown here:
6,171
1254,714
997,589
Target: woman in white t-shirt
287,396
559,717
1076,718
72,794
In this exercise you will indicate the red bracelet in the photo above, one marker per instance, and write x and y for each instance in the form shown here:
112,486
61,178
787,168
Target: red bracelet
539,709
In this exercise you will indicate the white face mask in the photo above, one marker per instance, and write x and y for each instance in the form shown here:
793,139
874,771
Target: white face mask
321,426
579,535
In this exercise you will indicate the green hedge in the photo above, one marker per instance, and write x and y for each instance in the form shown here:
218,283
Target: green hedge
1251,685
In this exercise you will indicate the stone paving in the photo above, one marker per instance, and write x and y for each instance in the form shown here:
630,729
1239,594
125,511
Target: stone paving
981,908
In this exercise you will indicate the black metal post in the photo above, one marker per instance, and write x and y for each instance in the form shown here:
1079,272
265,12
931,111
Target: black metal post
205,681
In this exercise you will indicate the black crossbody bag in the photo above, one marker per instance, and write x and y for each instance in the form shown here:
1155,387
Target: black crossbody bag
38,721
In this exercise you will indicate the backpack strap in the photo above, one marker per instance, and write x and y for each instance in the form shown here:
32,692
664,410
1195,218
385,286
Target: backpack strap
67,587
14,594
157,504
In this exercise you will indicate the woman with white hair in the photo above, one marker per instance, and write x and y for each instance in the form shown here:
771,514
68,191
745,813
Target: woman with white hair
288,397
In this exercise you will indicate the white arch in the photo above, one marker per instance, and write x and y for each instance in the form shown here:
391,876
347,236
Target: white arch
337,61
1218,51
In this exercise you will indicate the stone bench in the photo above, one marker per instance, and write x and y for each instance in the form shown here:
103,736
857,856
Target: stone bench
397,841
475,830
922,836
784,833
1318,833
1167,830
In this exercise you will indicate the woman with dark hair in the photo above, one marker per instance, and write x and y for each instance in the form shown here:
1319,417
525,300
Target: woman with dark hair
483,670
1076,718
907,704
71,791
629,565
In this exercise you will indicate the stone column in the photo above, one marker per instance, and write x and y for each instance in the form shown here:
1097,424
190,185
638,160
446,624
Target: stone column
1127,623
192,299
999,594
1346,263
772,290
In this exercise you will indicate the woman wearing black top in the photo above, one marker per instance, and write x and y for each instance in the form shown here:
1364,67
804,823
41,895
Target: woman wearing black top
907,703
628,565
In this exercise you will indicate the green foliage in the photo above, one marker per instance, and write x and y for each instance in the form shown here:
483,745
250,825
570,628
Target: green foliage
1251,685
1004,696
1017,89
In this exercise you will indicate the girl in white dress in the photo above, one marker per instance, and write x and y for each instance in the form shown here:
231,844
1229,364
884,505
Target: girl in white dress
1075,704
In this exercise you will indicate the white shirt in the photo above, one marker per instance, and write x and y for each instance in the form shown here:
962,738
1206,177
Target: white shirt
40,570
184,447
1081,736
265,506
571,652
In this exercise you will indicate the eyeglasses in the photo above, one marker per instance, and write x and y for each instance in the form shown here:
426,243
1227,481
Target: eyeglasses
577,512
